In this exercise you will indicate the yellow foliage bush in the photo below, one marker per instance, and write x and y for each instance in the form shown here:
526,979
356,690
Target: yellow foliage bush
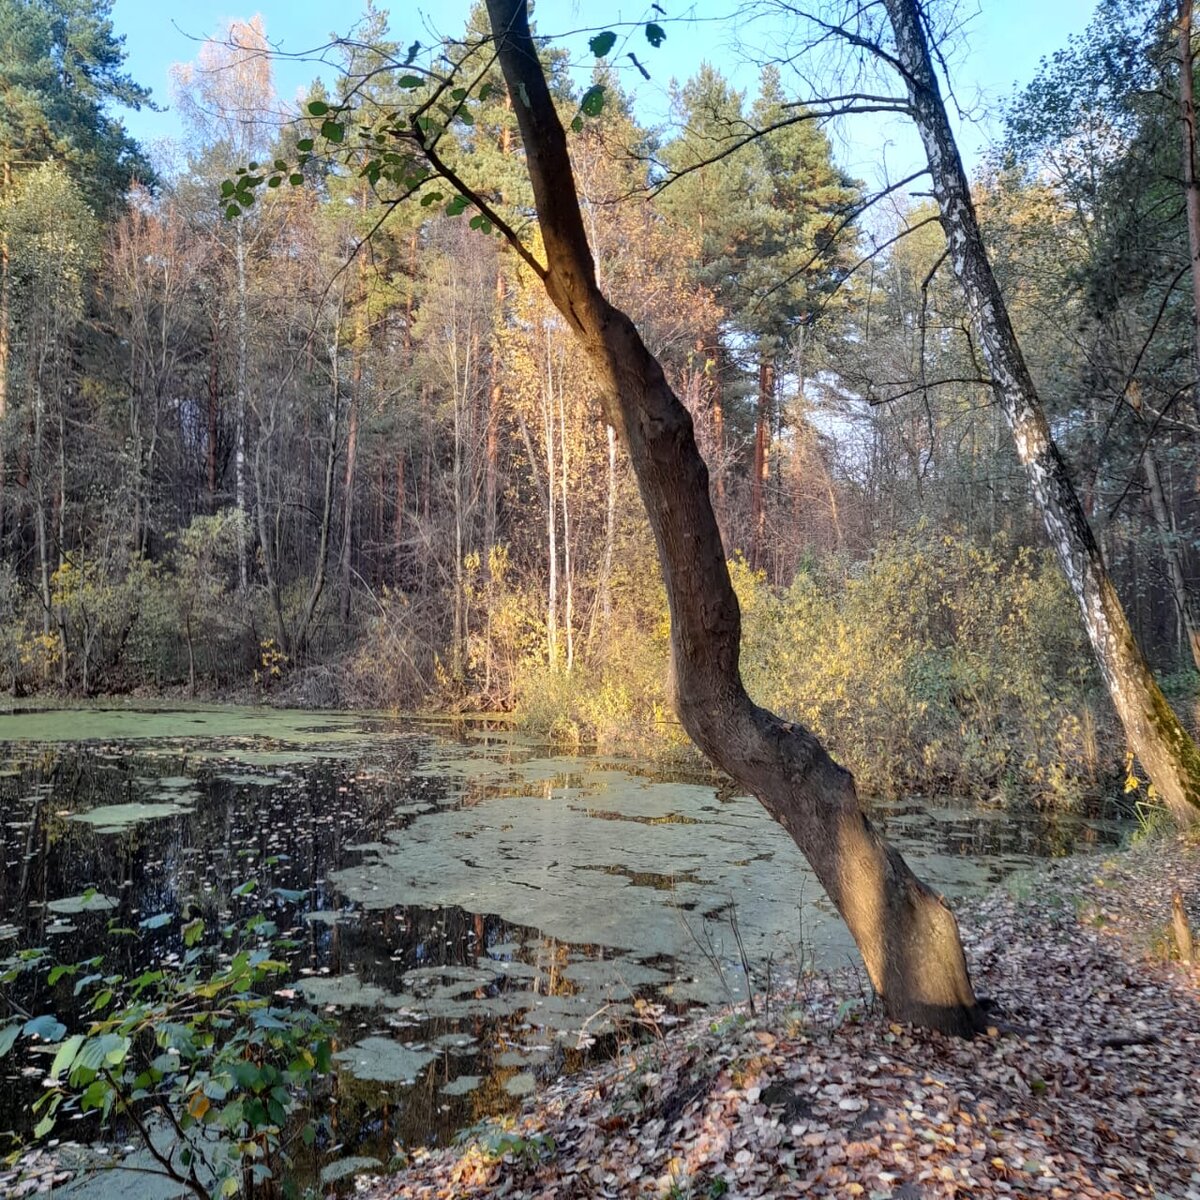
939,664
936,665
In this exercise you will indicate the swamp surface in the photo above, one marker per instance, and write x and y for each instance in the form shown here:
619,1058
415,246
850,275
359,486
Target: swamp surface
480,912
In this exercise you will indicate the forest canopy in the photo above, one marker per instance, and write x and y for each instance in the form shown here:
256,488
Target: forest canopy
343,448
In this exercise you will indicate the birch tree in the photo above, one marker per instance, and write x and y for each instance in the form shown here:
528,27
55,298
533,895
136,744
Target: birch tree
1155,733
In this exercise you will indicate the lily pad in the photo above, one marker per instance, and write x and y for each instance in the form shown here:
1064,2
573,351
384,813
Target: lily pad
462,1085
382,1060
343,991
83,903
115,818
345,1167
520,1085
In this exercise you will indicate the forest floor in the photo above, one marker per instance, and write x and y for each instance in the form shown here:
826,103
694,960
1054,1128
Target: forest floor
1086,1087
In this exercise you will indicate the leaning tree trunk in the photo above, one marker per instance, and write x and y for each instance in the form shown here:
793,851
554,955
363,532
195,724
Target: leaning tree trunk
1155,734
907,935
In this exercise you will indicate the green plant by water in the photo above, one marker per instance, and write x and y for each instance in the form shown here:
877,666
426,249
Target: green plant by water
199,1057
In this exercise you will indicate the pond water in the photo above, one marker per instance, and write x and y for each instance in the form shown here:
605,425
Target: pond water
480,913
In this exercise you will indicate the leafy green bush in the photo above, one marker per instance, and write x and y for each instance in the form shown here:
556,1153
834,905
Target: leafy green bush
197,1056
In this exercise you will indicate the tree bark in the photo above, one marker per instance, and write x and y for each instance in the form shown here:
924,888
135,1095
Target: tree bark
239,434
906,934
551,521
5,346
331,453
1185,606
345,565
1155,734
1187,114
214,412
762,467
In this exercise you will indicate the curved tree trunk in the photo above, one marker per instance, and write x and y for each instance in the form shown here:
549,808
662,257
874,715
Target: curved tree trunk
906,934
1155,734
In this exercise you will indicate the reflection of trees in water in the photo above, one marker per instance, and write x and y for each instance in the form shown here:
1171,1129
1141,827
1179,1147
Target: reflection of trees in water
288,836
292,835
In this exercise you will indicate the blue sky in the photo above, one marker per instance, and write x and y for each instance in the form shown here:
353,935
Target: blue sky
1001,44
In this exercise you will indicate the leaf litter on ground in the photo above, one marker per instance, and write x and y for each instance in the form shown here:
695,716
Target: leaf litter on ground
1084,1088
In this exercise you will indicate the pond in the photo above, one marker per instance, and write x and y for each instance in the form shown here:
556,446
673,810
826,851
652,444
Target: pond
479,912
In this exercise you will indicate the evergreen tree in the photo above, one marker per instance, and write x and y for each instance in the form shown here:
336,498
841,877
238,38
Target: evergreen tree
60,74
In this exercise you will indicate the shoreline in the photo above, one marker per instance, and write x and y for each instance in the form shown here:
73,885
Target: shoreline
1085,1088
1089,1091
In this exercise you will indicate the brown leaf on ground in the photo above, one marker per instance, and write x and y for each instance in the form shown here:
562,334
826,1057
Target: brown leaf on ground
1093,1098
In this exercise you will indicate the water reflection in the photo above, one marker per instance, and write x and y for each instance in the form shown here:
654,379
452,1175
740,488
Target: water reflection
479,914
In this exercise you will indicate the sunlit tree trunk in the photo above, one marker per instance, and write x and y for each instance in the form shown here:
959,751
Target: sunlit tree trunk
5,348
214,412
1155,734
351,467
908,937
551,522
359,350
239,433
762,466
318,583
568,572
604,588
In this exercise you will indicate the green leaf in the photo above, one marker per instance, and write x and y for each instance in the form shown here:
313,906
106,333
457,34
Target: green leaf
227,187
44,1126
577,123
458,95
193,931
592,104
107,1049
296,179
655,34
232,211
410,81
333,131
304,144
8,1035
457,206
274,181
246,888
66,1055
317,108
56,973
602,43
86,982
49,1028
466,118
